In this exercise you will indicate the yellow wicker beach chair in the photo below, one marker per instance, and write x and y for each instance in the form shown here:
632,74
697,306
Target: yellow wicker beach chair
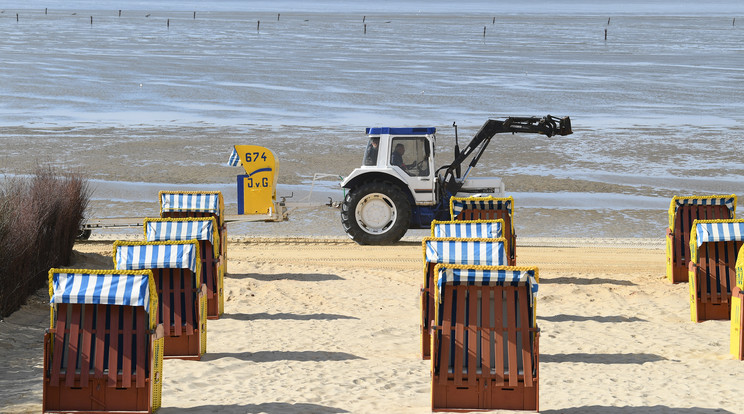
713,248
682,212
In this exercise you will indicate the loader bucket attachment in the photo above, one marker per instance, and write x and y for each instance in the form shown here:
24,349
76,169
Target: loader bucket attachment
557,126
564,126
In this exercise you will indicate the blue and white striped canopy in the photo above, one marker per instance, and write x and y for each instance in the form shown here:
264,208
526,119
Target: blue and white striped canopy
114,288
721,230
203,202
485,277
728,201
465,251
179,229
234,159
468,229
137,255
480,203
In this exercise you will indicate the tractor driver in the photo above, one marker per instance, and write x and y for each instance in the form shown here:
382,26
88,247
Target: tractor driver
396,158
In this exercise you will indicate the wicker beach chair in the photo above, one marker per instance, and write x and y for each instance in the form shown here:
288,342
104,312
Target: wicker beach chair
453,251
180,204
488,208
104,349
712,269
468,229
485,351
182,297
205,231
737,309
682,212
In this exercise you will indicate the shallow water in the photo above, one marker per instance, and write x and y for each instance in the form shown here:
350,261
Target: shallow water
656,108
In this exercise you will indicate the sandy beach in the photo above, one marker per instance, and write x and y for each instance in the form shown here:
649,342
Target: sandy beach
326,326
150,100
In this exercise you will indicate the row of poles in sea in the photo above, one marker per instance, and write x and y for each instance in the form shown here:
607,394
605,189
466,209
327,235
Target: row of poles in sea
278,16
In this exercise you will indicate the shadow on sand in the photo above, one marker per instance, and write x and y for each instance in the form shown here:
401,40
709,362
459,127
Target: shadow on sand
272,407
274,356
585,281
285,316
299,277
655,409
602,358
580,318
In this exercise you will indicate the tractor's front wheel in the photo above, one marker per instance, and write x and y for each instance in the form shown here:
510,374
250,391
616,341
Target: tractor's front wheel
376,213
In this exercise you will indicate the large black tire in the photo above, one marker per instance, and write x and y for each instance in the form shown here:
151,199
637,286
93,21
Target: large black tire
84,234
376,213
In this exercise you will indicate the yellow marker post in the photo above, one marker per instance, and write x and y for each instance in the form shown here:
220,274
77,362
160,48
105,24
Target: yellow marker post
737,310
257,187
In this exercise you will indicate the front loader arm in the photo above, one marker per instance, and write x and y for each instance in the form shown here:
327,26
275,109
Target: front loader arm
548,125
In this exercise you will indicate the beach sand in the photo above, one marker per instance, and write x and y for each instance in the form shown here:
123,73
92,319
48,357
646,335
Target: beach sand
327,326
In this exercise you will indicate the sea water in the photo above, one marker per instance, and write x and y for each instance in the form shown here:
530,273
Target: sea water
655,91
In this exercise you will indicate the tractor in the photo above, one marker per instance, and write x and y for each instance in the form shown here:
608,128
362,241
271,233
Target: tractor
397,187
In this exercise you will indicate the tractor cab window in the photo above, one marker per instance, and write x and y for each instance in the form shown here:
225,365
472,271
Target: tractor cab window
411,154
370,154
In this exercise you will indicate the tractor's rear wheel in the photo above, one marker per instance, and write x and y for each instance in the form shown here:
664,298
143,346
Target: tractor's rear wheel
376,213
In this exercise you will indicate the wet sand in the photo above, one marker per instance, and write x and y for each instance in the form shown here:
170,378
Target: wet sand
557,191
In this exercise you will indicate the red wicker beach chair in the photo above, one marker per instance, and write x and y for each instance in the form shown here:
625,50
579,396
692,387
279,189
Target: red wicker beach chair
682,212
205,231
182,204
485,352
182,297
488,208
104,350
712,269
477,251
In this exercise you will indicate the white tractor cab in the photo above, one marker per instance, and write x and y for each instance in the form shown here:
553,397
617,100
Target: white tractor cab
397,187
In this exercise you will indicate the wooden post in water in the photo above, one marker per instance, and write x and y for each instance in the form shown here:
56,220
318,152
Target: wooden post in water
91,20
605,34
608,21
258,26
46,8
494,21
194,15
168,24
364,18
16,17
277,16
119,13
734,22
365,28
484,32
